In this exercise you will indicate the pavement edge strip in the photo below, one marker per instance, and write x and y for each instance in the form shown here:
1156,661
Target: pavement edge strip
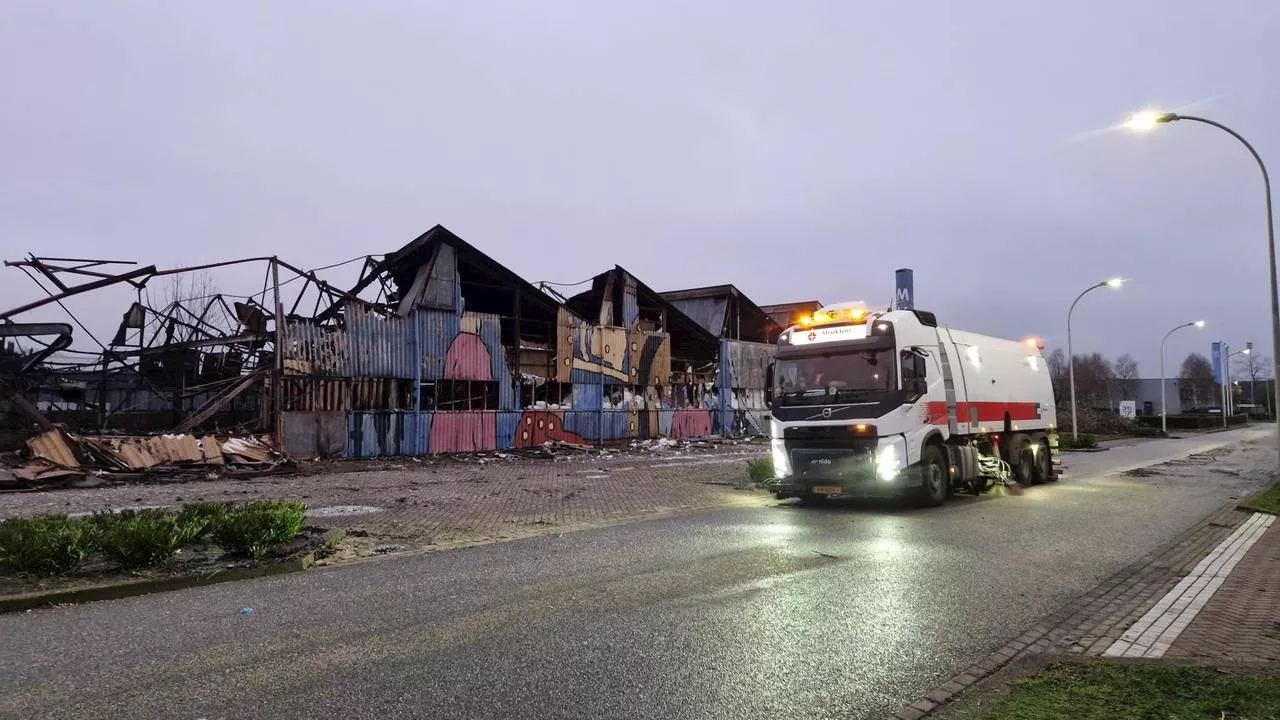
1121,587
133,588
1155,631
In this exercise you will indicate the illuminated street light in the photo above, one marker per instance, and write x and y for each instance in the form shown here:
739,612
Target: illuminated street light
1147,120
1226,374
1071,357
1164,426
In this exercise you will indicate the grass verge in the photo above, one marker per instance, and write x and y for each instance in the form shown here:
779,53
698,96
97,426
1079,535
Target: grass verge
1101,690
1267,501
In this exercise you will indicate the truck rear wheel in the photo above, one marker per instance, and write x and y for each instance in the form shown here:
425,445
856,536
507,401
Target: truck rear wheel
934,483
1044,463
1023,460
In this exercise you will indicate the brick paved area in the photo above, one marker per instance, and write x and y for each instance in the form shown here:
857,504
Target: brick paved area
1094,621
1241,622
442,502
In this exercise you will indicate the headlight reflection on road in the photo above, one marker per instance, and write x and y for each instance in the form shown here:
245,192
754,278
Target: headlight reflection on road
781,463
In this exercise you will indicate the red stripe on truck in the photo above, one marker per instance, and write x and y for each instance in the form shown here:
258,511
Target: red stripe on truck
988,412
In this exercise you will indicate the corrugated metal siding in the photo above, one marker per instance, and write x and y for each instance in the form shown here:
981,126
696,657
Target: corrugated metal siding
468,359
436,330
507,424
748,363
630,303
315,434
379,346
707,312
491,333
588,424
386,433
463,432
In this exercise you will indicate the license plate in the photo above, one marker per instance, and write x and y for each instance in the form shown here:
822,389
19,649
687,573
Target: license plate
827,490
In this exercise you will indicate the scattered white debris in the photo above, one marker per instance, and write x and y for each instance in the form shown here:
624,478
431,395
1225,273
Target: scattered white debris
342,510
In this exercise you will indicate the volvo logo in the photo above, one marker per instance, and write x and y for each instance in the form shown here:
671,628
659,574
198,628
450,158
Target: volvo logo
826,412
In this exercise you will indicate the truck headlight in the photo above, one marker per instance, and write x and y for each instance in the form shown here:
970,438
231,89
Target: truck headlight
888,459
781,463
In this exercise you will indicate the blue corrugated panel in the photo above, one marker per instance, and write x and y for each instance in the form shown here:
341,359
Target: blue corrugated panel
617,424
724,389
630,303
410,441
423,434
379,346
586,378
437,329
506,430
377,434
491,334
665,418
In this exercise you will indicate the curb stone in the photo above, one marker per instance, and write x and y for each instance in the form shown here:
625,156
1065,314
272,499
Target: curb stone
132,588
1088,624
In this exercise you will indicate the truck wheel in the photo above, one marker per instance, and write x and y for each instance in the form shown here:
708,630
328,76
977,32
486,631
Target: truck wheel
1044,463
933,476
1024,461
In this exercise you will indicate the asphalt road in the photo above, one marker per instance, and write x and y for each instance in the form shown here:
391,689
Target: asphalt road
764,612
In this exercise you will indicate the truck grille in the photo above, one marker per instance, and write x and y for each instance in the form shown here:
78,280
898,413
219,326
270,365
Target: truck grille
829,437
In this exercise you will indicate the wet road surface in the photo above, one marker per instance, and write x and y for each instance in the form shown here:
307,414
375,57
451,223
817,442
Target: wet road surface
765,612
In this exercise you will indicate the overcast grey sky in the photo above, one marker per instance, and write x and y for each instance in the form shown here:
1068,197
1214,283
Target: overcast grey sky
799,150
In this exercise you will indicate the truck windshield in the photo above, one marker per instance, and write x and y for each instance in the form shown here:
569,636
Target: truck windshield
846,375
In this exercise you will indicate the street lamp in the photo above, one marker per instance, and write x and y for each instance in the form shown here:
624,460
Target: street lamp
1071,357
1230,400
1148,120
1164,426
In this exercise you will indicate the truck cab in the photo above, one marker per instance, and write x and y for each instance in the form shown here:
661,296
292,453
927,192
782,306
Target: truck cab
882,403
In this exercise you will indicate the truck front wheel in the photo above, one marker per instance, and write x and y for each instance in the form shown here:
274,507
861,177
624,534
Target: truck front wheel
934,482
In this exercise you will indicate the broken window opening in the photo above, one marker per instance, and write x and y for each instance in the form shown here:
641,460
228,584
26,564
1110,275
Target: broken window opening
464,395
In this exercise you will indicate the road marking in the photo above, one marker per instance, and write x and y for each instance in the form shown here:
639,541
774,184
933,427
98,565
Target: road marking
1152,635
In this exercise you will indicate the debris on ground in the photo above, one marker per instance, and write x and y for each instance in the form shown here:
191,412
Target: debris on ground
57,456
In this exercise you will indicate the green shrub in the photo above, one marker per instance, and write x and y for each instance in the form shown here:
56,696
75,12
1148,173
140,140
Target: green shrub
139,538
1081,442
51,545
760,470
1194,421
196,520
256,528
1139,430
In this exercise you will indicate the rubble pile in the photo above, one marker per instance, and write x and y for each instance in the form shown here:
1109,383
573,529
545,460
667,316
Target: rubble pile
56,456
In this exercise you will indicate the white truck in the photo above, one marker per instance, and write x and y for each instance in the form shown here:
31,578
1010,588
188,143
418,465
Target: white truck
875,403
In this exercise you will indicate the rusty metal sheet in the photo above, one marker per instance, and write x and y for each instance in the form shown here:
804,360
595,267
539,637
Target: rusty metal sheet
564,345
313,350
54,446
211,450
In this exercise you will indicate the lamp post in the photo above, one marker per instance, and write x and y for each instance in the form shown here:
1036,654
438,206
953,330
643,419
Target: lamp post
1226,377
1071,356
1164,425
1148,120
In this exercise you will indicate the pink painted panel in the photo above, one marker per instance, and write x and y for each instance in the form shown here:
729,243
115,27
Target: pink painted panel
461,432
467,359
691,422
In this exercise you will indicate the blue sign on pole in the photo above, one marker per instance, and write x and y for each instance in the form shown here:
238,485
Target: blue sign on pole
1217,363
904,297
